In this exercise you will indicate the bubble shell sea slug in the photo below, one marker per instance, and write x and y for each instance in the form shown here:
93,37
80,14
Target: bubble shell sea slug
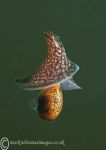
54,76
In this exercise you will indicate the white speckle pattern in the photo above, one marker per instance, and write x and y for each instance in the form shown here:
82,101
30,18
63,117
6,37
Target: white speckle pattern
55,67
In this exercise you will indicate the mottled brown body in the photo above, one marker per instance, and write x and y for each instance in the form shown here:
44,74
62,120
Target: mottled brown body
50,103
56,70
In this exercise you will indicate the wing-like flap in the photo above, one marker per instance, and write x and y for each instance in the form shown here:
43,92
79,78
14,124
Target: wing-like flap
70,85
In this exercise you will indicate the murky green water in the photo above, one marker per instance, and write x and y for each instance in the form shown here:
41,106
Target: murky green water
82,28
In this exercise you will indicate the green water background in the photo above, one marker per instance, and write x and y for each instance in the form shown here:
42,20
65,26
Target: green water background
81,24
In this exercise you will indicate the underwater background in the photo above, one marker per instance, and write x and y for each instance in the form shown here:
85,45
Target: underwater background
81,25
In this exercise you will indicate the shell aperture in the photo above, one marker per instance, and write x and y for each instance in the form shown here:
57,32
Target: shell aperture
55,74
